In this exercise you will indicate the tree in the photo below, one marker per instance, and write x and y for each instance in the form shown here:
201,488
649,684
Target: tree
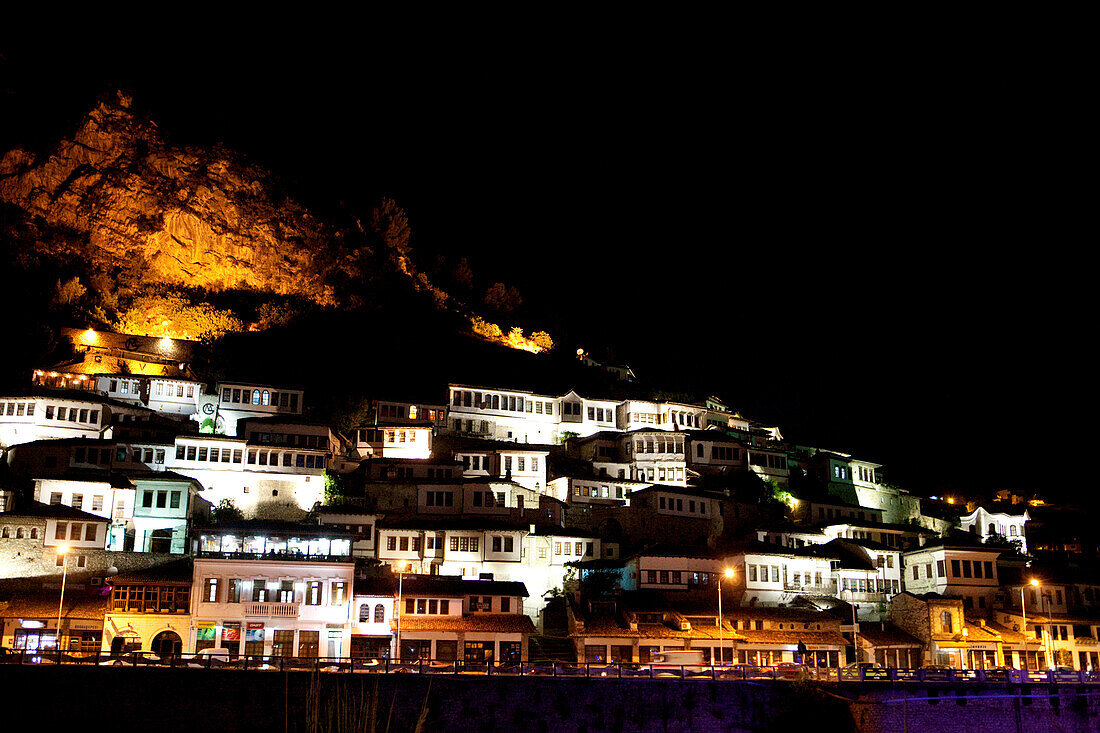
463,274
68,292
226,512
542,340
391,224
334,487
502,298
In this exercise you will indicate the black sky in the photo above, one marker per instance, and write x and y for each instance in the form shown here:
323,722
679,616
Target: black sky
876,245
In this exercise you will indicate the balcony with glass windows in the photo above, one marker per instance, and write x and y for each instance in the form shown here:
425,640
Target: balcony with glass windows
299,543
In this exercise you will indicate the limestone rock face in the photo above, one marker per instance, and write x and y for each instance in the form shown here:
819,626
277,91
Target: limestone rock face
187,216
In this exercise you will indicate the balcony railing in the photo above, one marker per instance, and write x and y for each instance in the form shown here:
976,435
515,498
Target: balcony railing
279,556
272,610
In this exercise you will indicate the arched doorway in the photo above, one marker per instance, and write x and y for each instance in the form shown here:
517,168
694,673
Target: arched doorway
166,644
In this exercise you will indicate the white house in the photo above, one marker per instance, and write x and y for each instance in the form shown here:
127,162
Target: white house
768,575
218,413
277,481
451,619
515,415
967,572
48,415
273,590
394,441
985,524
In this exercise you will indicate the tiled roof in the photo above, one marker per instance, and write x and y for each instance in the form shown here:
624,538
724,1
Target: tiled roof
693,551
53,511
776,636
503,623
1006,634
174,571
604,625
887,635
44,605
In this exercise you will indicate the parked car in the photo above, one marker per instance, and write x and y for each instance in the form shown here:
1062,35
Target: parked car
791,671
674,662
851,671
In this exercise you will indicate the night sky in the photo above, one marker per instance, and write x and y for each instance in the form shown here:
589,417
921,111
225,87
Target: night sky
874,246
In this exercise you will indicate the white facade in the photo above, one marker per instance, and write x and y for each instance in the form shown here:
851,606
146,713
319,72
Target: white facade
232,401
776,578
515,415
657,457
25,419
985,524
165,395
958,572
269,480
288,608
598,490
395,441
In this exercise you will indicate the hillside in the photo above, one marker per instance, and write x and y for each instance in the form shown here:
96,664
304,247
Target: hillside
144,211
114,227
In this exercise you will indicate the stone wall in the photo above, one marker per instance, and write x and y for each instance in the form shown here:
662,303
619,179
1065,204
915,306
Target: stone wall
234,700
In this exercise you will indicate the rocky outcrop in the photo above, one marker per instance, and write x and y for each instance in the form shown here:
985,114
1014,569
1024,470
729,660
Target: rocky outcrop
171,215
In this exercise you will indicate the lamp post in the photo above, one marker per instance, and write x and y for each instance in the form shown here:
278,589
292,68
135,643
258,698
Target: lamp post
61,550
721,641
397,611
1048,643
1023,613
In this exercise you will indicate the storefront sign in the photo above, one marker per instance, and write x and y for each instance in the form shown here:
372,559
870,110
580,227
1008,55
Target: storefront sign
231,631
205,624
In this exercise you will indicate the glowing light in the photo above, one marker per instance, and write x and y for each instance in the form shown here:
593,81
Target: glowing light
1034,582
729,572
90,336
62,549
514,339
950,500
166,343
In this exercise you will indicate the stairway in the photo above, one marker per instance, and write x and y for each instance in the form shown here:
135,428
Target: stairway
551,649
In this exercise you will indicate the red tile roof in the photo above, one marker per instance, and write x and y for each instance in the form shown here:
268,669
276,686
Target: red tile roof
505,623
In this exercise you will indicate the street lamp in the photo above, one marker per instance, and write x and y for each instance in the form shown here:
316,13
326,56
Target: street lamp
1023,612
721,642
61,550
397,611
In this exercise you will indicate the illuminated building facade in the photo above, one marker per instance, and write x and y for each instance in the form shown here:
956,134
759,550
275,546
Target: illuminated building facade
272,589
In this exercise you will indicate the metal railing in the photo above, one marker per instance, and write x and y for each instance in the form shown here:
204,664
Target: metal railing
592,670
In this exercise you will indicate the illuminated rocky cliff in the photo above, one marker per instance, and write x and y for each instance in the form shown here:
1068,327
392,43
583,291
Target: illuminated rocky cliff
145,210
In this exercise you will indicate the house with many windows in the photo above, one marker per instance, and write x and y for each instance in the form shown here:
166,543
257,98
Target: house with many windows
1002,526
45,414
599,490
39,539
268,478
219,412
273,589
966,572
447,619
394,441
150,610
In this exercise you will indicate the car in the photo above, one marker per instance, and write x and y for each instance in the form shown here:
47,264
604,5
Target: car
211,657
852,671
673,662
791,671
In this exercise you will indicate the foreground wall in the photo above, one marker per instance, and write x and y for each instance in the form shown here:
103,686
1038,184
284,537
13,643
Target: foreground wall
119,698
